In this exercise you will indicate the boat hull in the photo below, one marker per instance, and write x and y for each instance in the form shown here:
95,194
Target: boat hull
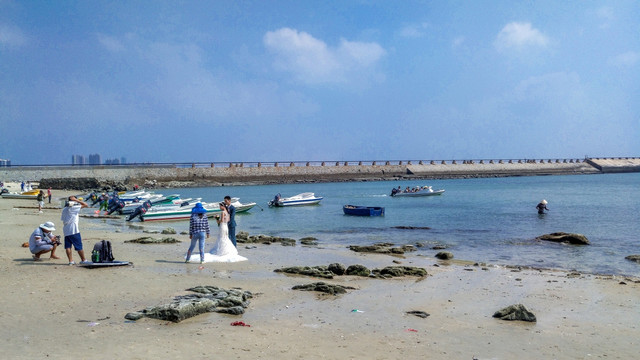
363,210
419,193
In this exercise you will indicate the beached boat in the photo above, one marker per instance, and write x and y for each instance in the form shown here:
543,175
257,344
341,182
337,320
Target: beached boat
307,198
177,212
26,195
415,192
363,210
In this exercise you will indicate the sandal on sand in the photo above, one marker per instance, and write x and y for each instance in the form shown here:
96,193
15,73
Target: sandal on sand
72,263
36,258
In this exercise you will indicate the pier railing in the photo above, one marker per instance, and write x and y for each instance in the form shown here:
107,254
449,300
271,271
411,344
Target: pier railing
334,163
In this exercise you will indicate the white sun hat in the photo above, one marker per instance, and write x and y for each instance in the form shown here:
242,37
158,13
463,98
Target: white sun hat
49,226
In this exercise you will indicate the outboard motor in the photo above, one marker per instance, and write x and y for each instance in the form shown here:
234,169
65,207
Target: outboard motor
115,205
140,210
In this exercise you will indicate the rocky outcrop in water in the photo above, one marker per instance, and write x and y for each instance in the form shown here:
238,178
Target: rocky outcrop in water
515,312
567,238
635,258
444,255
382,248
206,299
331,289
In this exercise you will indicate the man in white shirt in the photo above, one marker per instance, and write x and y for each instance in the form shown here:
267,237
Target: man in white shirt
71,231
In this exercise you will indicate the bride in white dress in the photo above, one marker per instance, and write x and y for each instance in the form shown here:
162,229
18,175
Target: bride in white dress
223,250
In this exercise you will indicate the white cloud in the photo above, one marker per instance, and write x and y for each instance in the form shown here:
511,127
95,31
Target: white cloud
110,43
627,59
519,36
414,30
457,42
313,61
11,36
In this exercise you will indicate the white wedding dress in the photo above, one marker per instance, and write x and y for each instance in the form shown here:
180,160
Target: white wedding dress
222,251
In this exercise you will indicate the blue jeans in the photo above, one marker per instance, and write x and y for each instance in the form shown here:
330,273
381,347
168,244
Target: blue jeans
200,238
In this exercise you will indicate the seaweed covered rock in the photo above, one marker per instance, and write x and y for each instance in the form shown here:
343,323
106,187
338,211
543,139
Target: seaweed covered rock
382,248
205,299
337,268
398,271
150,240
635,258
515,312
357,270
444,255
332,289
567,238
315,271
309,240
169,231
245,238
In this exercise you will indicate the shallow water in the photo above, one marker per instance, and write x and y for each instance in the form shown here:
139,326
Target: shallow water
491,220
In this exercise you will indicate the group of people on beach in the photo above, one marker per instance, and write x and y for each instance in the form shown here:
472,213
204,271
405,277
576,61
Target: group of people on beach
225,248
43,241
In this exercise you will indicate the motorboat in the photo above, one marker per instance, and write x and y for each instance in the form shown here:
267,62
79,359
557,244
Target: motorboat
415,192
307,198
26,195
177,212
164,213
363,210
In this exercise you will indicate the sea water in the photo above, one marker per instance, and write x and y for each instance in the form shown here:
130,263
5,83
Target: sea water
491,220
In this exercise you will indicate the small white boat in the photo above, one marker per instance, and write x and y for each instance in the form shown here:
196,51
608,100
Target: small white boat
415,192
177,212
307,198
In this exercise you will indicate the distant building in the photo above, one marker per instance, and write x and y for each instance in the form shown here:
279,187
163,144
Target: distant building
5,162
123,160
78,160
112,162
95,159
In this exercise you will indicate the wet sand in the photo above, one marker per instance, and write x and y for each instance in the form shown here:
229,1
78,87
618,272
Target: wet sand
58,311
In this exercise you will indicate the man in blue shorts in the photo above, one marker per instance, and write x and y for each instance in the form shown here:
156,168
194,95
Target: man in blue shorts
71,231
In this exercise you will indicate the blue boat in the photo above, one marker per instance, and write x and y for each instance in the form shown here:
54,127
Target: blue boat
363,210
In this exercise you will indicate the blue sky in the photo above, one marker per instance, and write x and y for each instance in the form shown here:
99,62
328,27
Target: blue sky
182,81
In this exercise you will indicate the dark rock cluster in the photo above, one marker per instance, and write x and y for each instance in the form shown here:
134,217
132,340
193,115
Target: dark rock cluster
243,237
206,299
332,289
382,248
328,272
567,238
150,240
82,184
515,312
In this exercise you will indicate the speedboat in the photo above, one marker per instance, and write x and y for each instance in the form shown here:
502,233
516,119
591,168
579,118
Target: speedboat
240,207
307,198
28,195
419,191
363,210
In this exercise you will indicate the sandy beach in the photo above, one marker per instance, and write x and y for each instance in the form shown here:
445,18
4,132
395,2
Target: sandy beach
53,310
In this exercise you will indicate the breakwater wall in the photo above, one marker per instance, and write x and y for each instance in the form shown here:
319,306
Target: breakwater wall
212,174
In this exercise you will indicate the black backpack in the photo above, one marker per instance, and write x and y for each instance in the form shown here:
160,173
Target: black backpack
102,252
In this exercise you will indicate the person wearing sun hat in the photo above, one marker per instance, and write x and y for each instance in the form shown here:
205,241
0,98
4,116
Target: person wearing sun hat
198,229
542,206
43,241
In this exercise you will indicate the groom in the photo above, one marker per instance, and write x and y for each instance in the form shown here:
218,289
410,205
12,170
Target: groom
232,219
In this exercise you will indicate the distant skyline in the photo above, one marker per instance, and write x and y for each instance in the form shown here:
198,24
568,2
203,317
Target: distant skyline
233,81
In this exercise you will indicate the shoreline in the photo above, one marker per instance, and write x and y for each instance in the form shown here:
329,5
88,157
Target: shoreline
156,176
578,316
